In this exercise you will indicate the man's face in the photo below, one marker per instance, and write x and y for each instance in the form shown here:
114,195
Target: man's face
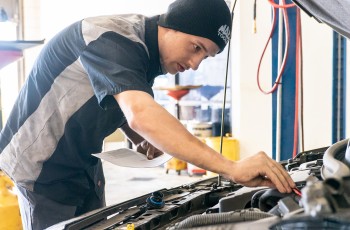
179,51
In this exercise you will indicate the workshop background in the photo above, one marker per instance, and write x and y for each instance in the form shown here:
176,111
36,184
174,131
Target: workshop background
252,117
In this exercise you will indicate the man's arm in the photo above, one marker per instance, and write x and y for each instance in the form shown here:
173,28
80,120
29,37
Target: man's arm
134,137
140,144
166,133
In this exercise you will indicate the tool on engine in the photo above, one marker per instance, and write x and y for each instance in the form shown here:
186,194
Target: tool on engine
297,191
130,226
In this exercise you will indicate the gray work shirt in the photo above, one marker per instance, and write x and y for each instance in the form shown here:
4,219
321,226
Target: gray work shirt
66,107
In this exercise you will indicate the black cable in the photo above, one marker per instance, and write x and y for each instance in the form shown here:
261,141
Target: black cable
225,88
254,17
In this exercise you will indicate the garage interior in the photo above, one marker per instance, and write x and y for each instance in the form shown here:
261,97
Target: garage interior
234,100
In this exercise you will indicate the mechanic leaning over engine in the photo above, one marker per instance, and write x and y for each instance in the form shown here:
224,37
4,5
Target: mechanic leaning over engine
94,77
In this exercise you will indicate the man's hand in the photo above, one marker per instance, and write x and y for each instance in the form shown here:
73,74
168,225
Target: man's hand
149,150
261,170
140,144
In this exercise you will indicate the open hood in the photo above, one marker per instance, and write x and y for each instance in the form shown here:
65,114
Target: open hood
334,13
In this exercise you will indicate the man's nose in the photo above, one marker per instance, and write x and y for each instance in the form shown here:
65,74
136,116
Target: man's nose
195,62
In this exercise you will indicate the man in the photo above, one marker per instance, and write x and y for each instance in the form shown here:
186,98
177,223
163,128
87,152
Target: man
96,76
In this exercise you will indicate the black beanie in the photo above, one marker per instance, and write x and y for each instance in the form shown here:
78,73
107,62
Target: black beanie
204,18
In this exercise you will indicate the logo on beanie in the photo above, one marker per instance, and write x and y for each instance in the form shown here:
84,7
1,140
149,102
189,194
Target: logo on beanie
224,33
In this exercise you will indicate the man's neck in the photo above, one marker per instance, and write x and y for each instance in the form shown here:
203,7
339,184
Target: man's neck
151,39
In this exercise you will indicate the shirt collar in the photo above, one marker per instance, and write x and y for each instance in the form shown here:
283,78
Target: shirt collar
151,40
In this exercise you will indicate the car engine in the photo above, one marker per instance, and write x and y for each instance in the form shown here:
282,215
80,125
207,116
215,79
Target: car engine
321,201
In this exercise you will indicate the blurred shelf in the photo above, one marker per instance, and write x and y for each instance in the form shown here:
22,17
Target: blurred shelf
11,51
177,87
191,102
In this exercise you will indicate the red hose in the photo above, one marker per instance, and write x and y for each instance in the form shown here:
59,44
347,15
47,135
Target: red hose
278,79
297,78
284,6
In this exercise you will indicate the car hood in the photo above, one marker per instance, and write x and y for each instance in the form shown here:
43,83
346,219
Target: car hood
334,13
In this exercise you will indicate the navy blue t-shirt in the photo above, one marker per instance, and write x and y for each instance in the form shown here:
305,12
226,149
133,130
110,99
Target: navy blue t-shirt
66,107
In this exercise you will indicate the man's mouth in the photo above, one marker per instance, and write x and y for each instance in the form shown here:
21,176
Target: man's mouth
180,68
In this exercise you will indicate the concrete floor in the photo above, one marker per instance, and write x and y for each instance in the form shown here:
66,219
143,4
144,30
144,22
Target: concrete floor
126,183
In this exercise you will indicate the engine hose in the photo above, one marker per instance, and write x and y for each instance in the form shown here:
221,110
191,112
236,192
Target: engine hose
221,218
254,201
269,199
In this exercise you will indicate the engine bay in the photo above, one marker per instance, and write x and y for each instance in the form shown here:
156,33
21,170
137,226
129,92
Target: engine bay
321,201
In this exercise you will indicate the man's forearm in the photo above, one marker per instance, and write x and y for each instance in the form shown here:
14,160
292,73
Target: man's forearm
166,133
134,137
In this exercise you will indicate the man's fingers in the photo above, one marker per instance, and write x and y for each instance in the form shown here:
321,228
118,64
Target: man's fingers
150,152
286,176
264,172
155,153
279,177
286,179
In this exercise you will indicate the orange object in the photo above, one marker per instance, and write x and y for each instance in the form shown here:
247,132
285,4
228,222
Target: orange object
177,91
194,170
175,164
178,94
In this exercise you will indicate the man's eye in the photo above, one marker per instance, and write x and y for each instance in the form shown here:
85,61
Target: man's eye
196,48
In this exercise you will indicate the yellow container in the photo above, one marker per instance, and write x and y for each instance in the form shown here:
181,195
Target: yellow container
9,209
230,148
175,164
